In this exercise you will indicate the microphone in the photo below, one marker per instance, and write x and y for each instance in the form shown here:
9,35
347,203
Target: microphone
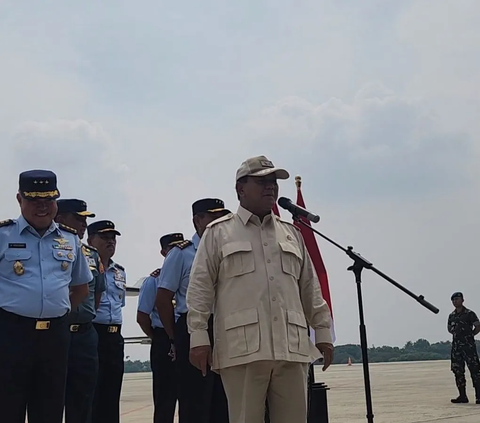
286,203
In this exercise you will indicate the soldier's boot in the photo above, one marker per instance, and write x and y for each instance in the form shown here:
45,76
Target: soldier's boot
462,398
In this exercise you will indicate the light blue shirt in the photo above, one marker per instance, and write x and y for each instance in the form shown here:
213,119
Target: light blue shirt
36,272
175,273
112,301
146,301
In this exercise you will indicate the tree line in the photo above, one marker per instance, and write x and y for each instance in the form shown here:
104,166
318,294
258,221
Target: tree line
420,350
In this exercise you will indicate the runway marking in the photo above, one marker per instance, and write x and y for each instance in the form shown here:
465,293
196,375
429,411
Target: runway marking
135,410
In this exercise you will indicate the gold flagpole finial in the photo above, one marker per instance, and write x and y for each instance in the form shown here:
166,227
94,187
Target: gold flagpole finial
298,181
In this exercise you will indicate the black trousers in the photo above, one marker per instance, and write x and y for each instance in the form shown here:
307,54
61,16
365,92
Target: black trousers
218,402
82,373
164,378
33,368
201,399
106,402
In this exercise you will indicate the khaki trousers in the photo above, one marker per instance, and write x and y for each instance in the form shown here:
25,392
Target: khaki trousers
283,383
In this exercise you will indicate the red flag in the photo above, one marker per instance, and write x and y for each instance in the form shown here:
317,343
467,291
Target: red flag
275,210
314,252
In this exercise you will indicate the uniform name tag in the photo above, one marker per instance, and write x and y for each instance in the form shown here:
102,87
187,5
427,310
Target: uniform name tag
17,245
63,247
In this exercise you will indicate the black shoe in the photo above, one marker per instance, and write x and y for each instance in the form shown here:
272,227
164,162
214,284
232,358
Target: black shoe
460,400
477,401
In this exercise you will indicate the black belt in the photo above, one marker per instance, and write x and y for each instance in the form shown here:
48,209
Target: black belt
108,328
80,327
32,322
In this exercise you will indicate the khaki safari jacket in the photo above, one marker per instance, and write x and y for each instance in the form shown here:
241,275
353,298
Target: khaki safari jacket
259,281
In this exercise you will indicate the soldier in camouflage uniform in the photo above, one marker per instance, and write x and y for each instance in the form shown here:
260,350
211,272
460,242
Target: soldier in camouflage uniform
463,324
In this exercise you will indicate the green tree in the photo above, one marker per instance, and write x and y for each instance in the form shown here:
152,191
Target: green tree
420,350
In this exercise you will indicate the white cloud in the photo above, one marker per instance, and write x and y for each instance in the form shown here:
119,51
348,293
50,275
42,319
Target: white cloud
81,154
443,45
379,144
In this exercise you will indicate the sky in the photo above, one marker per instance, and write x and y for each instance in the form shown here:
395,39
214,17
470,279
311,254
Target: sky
141,108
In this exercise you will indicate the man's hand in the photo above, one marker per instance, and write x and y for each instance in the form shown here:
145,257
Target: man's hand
327,352
201,357
476,331
173,352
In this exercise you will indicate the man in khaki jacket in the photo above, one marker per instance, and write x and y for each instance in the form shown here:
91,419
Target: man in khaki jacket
253,270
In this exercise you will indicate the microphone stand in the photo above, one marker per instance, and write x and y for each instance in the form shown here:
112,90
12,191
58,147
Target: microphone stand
360,263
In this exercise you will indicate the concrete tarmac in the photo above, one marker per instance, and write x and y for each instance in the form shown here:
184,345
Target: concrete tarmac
415,392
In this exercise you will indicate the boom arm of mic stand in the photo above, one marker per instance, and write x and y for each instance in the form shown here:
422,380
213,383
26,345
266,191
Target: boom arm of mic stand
361,263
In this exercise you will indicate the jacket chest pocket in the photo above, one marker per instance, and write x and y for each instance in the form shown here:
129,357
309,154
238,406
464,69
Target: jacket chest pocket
297,333
238,258
291,259
242,332
62,265
120,285
17,263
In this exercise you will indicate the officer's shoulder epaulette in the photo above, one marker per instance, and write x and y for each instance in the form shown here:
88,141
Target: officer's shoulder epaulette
220,220
184,244
67,228
287,223
119,266
155,273
7,222
89,247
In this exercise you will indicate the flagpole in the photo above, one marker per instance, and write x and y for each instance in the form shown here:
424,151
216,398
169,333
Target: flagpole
317,391
315,255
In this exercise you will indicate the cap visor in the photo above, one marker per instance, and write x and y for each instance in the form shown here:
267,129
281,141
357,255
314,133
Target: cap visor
86,214
174,243
279,173
215,210
102,231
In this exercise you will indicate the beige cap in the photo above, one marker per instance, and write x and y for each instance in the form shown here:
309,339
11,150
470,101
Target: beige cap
260,166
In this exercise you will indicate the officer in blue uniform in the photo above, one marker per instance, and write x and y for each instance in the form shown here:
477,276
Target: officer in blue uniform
108,323
83,356
163,368
201,399
43,275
